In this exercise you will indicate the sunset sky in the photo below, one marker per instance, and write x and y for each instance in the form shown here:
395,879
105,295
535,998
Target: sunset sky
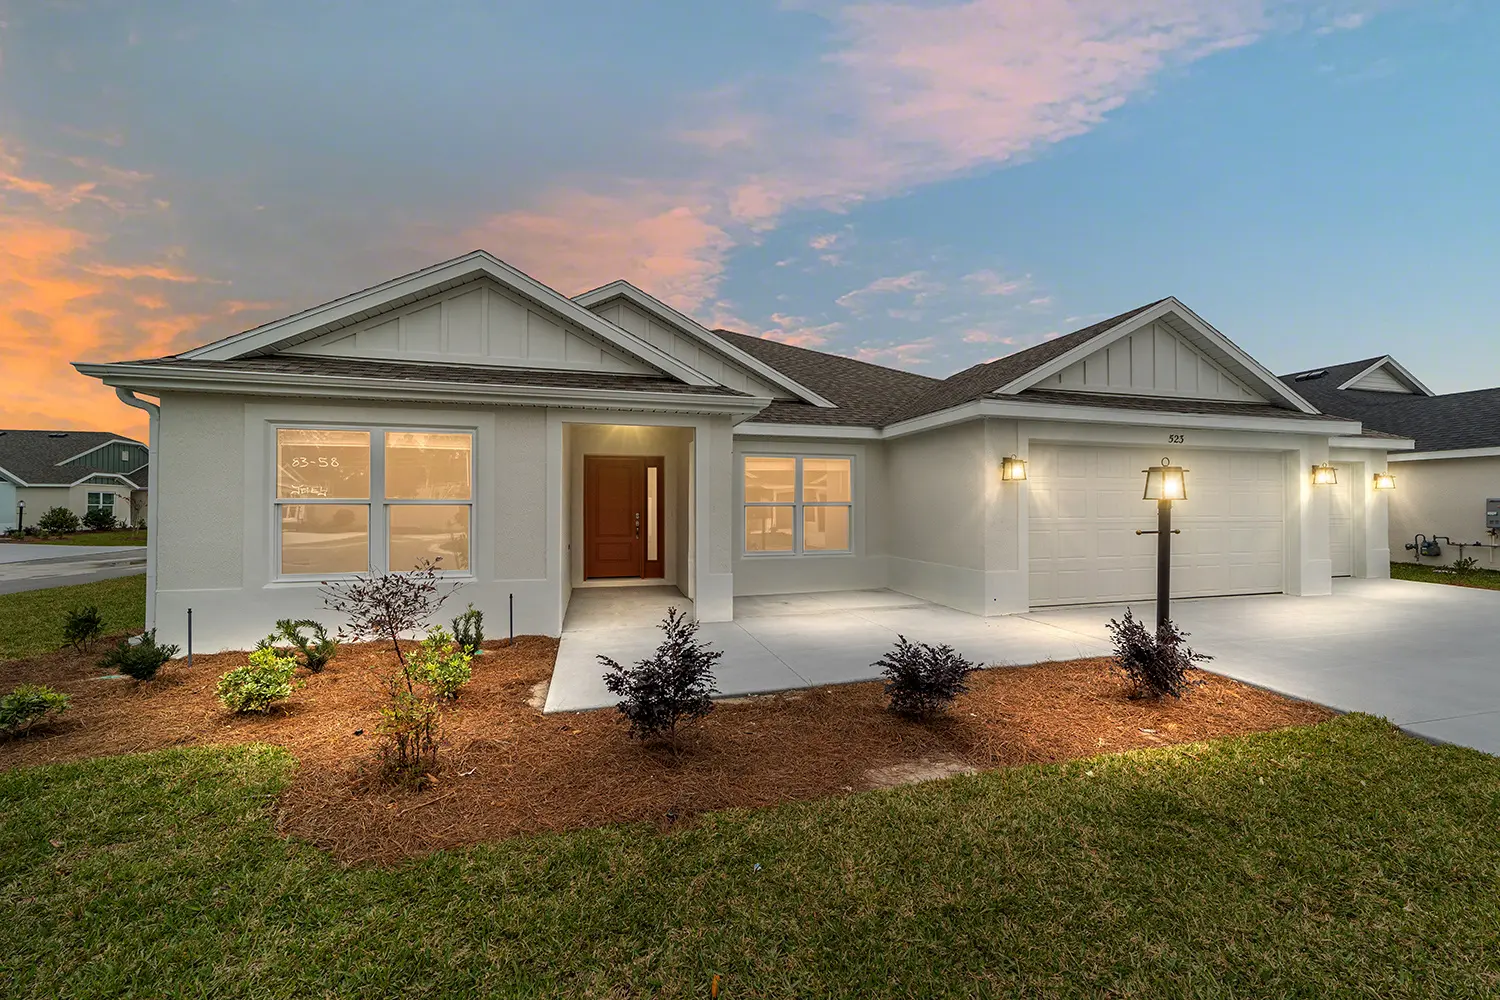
925,185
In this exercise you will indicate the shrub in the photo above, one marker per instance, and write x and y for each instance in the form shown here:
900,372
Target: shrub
100,519
82,627
408,730
1155,664
265,679
316,649
59,520
441,665
1465,565
139,660
673,684
922,680
29,705
468,629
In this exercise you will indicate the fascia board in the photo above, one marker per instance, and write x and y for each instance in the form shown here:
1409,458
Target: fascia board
1014,409
1171,304
459,269
1411,380
842,432
152,379
625,290
1430,456
104,475
1373,444
21,482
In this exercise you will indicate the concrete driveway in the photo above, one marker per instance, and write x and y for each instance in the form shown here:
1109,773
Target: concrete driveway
1425,656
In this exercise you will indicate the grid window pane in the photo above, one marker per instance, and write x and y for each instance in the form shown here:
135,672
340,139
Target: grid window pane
326,464
422,465
325,538
770,480
769,529
825,529
826,480
439,532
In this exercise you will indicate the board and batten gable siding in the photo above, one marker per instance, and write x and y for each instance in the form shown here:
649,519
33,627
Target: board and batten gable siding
116,457
1153,361
475,323
687,349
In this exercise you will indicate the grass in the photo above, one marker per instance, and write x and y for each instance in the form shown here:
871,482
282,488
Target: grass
1343,859
1484,579
34,618
117,536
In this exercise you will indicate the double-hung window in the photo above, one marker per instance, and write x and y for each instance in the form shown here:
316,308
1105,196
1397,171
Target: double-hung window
798,506
101,501
348,501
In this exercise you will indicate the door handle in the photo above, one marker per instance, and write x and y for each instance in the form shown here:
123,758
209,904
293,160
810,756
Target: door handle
638,524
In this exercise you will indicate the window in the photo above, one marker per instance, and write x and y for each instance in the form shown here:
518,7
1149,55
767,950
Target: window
798,506
352,500
102,501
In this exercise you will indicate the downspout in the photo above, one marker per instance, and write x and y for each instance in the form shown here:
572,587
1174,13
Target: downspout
153,497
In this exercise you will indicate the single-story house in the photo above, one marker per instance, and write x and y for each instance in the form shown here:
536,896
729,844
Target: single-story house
79,470
1447,505
538,444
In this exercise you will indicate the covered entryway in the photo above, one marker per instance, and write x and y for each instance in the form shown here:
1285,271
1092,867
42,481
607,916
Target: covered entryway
623,517
1085,508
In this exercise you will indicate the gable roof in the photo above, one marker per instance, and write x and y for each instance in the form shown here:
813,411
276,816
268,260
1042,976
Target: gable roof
1454,421
1391,368
429,281
34,458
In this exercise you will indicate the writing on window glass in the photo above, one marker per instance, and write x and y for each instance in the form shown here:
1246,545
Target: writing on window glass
321,461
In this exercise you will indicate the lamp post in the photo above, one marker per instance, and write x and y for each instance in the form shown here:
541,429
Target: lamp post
20,516
1164,483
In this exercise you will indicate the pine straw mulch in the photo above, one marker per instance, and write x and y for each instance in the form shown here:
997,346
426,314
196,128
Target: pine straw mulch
506,769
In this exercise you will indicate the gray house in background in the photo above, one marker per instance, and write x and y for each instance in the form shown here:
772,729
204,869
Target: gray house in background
1448,488
78,470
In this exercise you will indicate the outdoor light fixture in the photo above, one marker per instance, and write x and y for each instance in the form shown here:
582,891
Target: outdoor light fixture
1385,481
20,515
1012,469
1325,475
1165,483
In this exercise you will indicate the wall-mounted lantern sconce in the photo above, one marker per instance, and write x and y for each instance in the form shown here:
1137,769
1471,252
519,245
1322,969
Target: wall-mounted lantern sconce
1165,483
1325,475
1385,481
1012,469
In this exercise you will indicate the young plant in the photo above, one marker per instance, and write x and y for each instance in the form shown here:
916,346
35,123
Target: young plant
30,705
82,627
58,521
266,679
100,519
1156,664
316,649
922,680
672,685
140,660
468,629
1465,565
440,665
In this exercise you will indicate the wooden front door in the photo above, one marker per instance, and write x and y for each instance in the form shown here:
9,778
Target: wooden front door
623,517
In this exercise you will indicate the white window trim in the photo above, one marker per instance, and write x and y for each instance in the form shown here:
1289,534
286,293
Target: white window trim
798,505
379,507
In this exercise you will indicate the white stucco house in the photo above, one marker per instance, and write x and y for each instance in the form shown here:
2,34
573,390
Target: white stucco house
540,444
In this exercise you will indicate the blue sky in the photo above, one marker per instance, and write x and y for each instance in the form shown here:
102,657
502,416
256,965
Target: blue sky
921,184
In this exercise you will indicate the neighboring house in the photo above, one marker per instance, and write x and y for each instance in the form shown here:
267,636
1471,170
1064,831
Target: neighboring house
78,470
1448,488
539,443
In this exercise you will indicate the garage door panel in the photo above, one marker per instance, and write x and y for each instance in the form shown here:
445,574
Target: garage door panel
1086,507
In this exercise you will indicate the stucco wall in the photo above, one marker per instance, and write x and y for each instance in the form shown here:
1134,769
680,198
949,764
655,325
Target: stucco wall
202,502
1444,497
40,499
937,515
862,569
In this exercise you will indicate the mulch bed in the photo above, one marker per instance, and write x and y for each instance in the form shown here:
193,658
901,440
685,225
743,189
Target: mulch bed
506,769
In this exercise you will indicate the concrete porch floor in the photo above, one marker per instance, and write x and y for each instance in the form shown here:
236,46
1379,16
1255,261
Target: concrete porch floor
1422,655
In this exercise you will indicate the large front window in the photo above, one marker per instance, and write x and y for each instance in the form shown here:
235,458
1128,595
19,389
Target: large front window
797,506
348,501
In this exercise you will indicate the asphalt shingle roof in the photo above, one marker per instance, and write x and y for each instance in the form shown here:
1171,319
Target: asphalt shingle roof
33,456
1448,422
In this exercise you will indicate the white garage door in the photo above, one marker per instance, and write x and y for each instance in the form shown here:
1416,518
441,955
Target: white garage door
1086,507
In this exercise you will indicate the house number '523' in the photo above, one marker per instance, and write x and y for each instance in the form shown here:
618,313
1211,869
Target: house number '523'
1176,438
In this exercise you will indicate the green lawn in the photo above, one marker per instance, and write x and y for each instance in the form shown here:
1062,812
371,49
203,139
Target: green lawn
1486,579
33,619
119,536
1339,860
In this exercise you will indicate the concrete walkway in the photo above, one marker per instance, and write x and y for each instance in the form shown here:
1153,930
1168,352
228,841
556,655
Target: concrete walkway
1426,656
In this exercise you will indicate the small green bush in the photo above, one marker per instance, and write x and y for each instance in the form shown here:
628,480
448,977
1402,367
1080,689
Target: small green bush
100,519
59,520
82,627
441,665
267,678
316,649
141,660
468,630
29,705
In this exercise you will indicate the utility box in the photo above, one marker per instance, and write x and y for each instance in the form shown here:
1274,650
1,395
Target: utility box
1492,515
